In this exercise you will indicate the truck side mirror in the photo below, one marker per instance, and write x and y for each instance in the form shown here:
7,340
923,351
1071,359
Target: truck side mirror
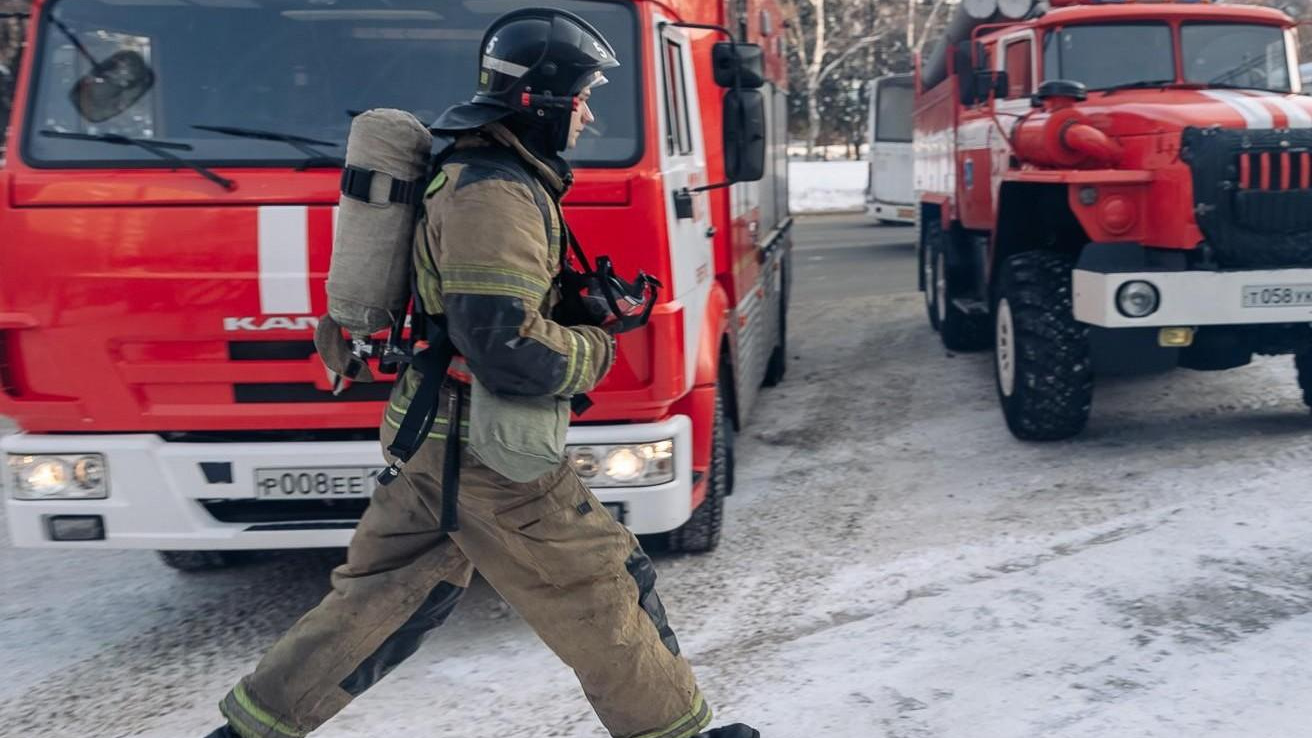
740,65
112,86
991,83
744,135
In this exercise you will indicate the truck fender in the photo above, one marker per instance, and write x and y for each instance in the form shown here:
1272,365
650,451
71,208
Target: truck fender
715,326
699,404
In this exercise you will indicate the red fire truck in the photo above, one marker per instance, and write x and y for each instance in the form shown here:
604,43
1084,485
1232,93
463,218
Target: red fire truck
168,210
1114,188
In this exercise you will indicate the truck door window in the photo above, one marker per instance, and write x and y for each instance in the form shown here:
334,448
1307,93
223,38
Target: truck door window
295,67
678,137
1234,54
1109,54
1020,68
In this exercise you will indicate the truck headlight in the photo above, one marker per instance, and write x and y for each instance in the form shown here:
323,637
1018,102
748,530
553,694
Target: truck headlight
1137,299
625,465
58,477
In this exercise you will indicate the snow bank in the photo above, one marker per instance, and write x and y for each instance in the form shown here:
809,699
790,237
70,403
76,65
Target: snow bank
827,186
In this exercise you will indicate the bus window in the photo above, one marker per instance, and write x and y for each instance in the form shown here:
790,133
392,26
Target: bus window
893,100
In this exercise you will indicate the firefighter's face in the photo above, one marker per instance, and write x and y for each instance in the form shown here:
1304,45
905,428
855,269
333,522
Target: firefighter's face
581,119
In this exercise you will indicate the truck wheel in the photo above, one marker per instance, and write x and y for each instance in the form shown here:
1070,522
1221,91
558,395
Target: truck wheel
199,560
702,531
1044,373
778,365
961,331
1304,364
929,237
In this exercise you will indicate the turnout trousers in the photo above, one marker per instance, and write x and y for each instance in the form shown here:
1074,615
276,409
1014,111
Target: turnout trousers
548,547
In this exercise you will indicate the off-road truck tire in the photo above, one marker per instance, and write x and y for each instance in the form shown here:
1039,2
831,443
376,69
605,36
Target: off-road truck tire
929,236
961,331
1041,360
1303,362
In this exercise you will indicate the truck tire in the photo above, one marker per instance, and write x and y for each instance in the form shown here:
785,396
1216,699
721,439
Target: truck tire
929,234
778,364
1041,360
190,561
1303,362
961,331
701,534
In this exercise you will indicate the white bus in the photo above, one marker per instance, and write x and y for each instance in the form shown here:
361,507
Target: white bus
889,194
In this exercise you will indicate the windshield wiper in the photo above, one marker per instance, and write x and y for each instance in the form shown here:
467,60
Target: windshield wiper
1230,86
158,148
1139,85
305,145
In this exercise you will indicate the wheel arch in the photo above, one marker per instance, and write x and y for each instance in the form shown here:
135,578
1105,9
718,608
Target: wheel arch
1034,217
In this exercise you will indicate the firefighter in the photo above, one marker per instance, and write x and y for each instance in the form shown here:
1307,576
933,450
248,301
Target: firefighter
488,248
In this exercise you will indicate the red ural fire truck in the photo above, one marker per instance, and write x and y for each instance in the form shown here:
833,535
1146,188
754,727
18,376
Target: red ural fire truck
1114,188
168,209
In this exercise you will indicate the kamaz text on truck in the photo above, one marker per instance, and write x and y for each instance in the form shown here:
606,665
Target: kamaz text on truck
1114,188
168,206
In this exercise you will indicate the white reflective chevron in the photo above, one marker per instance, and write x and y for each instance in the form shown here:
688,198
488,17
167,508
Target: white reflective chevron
1254,113
284,249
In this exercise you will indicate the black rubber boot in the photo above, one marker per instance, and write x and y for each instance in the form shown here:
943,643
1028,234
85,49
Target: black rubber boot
225,732
737,730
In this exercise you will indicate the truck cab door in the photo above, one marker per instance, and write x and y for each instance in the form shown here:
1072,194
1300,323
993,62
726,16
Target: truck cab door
1017,56
683,167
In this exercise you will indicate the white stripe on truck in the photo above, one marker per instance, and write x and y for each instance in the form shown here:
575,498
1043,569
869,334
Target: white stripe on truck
284,260
1296,115
1255,114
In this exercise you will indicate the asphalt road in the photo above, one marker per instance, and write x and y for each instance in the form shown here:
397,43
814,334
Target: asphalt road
894,565
840,256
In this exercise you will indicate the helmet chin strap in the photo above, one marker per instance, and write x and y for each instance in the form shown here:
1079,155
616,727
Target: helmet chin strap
549,115
546,136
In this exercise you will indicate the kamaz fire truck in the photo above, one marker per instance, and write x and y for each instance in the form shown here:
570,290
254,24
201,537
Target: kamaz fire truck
1114,188
167,210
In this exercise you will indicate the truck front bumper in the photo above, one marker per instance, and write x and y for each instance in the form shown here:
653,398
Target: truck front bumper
161,497
1198,298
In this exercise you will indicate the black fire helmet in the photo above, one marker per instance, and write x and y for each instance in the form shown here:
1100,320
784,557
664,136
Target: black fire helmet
534,64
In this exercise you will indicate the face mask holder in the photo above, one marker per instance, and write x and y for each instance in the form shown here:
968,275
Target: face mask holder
598,296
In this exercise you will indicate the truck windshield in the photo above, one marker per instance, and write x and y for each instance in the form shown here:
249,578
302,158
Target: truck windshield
1109,55
291,68
1235,55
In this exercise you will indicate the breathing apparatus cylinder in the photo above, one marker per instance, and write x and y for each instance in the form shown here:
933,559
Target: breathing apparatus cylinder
387,157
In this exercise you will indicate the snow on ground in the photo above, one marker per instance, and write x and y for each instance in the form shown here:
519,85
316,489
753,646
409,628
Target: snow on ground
827,186
894,566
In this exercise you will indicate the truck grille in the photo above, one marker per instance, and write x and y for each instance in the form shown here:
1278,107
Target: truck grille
307,392
270,350
1275,170
8,384
285,511
1253,195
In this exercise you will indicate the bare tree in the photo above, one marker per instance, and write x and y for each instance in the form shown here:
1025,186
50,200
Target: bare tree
11,46
839,45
